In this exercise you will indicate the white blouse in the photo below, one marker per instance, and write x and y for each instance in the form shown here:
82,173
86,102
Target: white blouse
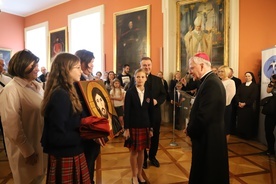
118,103
141,95
230,89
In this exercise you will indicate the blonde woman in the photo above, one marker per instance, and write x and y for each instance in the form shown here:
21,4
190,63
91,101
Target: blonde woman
230,88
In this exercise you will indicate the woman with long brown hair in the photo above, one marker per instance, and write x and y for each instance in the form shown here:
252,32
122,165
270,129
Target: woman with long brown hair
62,110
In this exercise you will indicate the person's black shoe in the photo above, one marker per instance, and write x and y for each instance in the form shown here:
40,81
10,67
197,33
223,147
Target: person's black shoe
154,162
270,153
145,164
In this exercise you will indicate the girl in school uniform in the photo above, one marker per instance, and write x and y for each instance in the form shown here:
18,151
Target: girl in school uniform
138,126
62,110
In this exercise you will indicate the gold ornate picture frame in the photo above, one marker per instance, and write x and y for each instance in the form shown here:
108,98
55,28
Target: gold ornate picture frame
98,102
212,16
132,37
57,41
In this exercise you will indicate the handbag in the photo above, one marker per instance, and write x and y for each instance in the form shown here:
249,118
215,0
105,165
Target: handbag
269,105
93,127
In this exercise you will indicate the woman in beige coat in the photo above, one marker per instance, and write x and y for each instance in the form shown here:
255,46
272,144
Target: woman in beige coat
22,121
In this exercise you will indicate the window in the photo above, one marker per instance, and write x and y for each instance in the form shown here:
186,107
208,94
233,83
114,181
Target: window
36,42
86,32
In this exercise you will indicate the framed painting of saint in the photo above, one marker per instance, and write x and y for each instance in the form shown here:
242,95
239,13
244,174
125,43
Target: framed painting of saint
202,26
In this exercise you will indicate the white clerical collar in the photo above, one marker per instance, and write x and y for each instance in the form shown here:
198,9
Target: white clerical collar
248,83
205,74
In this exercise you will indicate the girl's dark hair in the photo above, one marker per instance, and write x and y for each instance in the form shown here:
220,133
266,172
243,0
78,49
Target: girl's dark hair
59,77
20,61
108,80
85,56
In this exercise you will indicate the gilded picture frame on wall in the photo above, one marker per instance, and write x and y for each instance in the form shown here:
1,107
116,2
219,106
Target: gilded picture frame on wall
57,41
202,26
132,37
5,54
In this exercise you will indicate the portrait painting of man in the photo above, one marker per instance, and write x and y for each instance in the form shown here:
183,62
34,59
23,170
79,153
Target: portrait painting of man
58,41
132,37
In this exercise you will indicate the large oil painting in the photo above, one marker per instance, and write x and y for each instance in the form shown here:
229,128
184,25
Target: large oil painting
202,26
131,37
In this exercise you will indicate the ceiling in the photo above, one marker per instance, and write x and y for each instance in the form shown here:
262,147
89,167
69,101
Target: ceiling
25,8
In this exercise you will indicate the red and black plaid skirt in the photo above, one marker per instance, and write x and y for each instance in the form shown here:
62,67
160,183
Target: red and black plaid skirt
71,170
139,139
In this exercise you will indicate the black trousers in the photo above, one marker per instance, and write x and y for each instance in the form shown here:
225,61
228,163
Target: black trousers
233,123
154,142
91,151
270,123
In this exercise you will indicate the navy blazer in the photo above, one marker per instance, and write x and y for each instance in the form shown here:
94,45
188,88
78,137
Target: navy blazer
157,91
61,136
135,114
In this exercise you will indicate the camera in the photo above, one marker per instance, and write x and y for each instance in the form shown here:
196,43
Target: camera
272,81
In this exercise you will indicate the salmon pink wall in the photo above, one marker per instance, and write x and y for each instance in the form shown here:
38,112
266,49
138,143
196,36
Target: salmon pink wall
257,32
11,32
256,29
57,17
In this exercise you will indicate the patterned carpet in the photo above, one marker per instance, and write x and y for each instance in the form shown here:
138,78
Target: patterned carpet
247,164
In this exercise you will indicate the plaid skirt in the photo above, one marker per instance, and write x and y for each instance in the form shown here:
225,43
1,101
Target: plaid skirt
69,170
139,139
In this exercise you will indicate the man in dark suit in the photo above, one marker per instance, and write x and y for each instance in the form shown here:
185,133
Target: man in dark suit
234,103
206,126
177,100
42,77
158,94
